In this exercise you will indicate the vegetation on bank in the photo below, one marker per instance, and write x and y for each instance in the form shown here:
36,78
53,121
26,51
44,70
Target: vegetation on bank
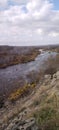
51,48
9,59
47,115
21,92
44,106
33,79
47,119
52,65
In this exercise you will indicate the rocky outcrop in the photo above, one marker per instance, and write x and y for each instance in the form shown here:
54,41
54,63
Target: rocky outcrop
19,124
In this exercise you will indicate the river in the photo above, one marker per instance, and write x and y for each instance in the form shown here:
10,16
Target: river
11,74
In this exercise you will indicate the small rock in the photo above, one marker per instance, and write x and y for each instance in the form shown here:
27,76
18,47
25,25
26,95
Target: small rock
53,82
10,126
47,76
57,74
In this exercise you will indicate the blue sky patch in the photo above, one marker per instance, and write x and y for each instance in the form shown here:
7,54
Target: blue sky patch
56,4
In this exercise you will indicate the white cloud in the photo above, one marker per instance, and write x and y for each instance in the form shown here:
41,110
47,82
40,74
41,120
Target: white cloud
20,1
30,22
3,3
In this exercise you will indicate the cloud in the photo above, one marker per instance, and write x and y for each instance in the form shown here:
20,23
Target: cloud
22,2
3,3
28,22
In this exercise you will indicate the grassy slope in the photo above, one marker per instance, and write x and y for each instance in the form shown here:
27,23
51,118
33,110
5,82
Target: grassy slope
43,105
47,115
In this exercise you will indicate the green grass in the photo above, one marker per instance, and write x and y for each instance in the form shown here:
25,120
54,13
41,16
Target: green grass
46,119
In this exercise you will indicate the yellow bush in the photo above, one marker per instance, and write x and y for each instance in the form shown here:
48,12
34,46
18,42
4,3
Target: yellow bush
19,92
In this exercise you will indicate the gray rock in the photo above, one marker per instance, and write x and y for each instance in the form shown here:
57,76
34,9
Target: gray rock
57,74
47,76
10,126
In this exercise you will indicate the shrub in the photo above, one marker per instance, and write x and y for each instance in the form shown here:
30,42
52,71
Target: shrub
52,65
1,101
51,71
45,118
36,102
21,92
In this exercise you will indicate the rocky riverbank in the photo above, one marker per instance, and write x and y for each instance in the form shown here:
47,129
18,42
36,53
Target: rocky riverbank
37,111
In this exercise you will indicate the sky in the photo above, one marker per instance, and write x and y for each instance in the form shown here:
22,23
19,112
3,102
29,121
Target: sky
29,22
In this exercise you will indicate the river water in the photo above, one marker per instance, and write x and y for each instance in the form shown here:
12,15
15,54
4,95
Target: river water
10,74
